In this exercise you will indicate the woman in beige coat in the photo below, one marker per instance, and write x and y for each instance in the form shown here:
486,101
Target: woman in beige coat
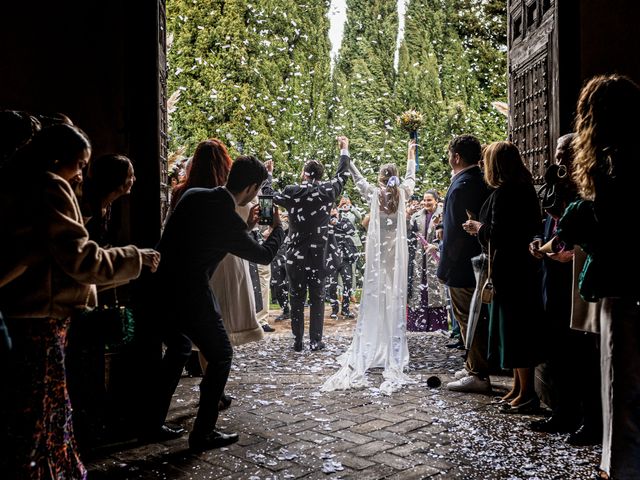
49,270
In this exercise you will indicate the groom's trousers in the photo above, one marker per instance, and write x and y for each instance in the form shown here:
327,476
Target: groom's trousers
307,274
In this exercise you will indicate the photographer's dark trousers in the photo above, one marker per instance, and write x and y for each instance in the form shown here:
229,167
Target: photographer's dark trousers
305,274
204,327
346,272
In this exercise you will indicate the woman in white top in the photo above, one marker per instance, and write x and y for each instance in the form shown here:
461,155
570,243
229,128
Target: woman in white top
379,338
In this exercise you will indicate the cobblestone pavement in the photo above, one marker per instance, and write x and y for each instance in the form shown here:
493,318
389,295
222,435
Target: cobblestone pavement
288,429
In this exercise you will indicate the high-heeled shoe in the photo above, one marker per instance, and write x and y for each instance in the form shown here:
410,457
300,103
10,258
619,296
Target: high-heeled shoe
530,406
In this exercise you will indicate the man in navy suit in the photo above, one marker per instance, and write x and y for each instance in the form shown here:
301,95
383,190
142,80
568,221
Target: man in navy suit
467,193
310,255
202,229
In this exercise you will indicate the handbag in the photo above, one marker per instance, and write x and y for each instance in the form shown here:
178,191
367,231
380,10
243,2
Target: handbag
487,287
115,324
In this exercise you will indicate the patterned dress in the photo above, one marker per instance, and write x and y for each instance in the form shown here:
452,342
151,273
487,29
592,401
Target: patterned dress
40,427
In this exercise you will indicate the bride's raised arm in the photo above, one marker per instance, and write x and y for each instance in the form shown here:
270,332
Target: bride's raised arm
409,182
364,187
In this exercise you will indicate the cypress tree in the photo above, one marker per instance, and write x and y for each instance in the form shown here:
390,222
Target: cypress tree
364,80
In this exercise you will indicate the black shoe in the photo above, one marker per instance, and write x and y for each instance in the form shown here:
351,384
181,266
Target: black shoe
334,315
530,407
213,440
585,436
164,433
553,424
297,345
319,345
459,345
348,314
283,316
268,328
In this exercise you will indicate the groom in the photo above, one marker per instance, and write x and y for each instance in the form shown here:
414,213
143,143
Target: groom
310,255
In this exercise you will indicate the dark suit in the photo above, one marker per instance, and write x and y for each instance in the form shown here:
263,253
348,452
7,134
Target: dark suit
202,229
310,257
468,191
343,233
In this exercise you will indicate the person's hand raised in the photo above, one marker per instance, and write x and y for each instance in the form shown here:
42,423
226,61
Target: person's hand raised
269,166
254,216
343,143
411,153
150,258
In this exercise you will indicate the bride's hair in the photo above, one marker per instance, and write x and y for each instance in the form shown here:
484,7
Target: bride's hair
389,182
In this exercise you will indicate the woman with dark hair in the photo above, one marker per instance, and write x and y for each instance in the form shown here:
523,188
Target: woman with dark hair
109,177
606,170
379,339
508,220
41,224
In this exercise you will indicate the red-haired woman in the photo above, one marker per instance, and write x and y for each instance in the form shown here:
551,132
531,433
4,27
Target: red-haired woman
208,168
231,282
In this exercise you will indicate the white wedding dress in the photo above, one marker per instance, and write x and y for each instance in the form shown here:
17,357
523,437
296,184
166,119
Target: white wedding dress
379,339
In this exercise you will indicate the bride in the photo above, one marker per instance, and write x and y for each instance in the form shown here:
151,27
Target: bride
379,338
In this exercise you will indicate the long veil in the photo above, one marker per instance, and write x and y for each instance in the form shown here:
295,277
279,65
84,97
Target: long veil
379,339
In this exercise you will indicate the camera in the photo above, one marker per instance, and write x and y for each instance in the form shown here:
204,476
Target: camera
266,209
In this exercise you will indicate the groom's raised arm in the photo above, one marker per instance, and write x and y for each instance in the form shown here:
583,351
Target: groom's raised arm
342,174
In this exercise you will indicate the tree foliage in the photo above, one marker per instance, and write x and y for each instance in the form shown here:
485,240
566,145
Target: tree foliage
257,75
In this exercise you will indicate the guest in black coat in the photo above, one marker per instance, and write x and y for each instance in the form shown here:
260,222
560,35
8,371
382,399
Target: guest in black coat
508,220
310,257
202,229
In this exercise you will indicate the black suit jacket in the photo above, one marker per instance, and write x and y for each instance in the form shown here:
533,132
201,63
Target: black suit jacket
468,191
309,207
202,229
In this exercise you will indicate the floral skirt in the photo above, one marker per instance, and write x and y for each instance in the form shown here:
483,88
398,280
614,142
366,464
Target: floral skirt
40,411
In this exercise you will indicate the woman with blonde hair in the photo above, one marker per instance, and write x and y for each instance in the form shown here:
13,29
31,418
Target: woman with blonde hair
379,339
508,220
606,170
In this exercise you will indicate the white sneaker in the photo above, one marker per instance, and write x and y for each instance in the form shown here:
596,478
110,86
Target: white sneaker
461,374
470,384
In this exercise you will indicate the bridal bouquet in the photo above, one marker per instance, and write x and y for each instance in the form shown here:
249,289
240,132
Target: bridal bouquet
411,121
